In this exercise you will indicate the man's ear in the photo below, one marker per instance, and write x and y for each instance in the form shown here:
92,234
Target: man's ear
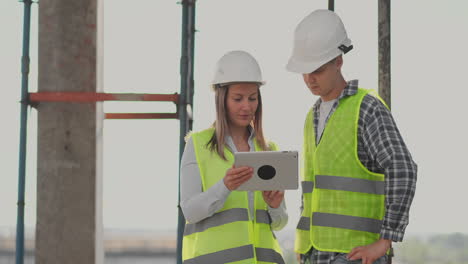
339,62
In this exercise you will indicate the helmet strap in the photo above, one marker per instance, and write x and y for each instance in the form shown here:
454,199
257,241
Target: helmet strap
345,49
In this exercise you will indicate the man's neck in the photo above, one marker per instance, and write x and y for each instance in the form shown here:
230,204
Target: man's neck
335,92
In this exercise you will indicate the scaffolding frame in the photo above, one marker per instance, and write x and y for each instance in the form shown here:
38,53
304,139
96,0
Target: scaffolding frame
183,101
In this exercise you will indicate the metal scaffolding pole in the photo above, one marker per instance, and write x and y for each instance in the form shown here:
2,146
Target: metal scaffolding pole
23,132
186,98
384,51
331,5
184,103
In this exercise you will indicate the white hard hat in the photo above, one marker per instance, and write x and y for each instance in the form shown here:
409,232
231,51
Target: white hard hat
318,38
237,66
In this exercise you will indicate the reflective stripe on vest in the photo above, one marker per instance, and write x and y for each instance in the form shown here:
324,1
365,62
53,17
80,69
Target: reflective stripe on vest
341,221
268,255
238,254
221,218
225,217
304,223
347,221
224,256
307,186
344,184
349,184
262,216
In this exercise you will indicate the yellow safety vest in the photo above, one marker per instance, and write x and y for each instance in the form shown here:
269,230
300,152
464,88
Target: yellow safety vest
228,236
343,200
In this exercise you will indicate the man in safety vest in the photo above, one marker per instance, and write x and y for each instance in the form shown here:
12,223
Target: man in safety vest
359,178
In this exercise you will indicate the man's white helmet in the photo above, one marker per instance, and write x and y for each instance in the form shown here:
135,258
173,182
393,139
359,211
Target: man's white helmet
237,66
318,38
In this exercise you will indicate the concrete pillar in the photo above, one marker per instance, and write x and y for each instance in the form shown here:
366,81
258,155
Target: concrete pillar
69,184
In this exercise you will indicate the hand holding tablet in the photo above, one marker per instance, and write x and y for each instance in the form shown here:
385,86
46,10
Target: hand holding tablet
236,176
273,198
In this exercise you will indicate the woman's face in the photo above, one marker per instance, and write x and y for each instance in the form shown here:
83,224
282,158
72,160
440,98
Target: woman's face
241,103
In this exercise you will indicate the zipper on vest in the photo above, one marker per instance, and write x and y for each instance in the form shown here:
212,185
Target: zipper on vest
252,225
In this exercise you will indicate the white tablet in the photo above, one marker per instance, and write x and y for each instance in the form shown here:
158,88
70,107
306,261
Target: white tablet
273,170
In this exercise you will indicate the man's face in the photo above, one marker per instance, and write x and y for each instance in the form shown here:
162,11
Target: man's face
322,82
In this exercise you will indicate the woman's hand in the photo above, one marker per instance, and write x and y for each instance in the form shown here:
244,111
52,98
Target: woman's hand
237,176
273,198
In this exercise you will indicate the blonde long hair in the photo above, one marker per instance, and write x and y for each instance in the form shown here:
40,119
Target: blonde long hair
221,124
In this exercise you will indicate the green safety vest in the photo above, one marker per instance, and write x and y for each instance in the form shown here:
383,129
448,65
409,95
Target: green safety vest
229,235
343,200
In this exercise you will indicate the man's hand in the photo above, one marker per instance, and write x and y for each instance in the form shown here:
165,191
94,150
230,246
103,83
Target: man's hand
273,198
371,252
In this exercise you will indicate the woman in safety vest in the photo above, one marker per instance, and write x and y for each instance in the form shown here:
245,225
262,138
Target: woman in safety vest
224,225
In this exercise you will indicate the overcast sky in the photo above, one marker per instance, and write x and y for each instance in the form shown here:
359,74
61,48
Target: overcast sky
142,52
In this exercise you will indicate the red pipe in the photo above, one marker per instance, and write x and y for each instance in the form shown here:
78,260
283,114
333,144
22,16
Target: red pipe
98,97
141,116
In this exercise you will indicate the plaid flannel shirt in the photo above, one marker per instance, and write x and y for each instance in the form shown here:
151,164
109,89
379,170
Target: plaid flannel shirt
381,149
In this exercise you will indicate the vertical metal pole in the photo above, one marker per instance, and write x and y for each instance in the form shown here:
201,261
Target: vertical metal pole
23,133
384,51
186,97
331,5
190,76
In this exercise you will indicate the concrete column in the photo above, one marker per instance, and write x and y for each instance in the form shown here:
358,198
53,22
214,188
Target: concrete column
69,196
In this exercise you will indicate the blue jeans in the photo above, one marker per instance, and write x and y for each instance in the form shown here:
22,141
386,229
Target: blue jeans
341,259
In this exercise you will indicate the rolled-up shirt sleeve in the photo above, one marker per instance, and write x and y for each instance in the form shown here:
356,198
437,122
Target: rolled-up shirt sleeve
279,216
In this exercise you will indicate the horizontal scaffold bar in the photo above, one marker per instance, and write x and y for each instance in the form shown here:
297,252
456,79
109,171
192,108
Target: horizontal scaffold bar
141,116
98,97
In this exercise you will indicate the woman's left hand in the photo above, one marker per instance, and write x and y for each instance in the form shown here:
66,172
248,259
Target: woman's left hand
273,198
